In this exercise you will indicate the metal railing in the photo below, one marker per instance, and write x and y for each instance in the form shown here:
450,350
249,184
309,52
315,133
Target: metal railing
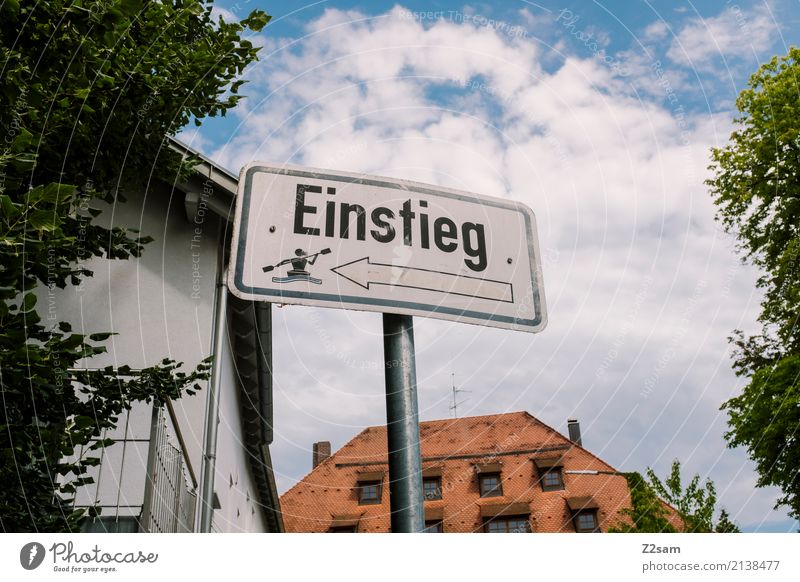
169,503
163,499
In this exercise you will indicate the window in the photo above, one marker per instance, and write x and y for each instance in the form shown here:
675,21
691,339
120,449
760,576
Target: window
551,476
491,485
586,521
433,527
369,492
344,523
584,513
552,479
511,524
432,488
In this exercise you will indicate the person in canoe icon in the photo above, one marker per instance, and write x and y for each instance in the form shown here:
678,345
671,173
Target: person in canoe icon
298,271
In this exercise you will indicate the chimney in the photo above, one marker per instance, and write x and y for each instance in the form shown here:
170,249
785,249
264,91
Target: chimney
574,428
321,451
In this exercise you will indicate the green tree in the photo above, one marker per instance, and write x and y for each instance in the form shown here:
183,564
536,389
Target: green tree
89,92
725,525
647,513
694,504
756,187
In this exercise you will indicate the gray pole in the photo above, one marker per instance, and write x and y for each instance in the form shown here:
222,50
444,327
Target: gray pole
402,424
212,407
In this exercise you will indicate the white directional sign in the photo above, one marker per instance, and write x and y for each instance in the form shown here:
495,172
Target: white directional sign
351,241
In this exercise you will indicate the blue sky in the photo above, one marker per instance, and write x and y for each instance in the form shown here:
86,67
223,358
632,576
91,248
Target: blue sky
599,116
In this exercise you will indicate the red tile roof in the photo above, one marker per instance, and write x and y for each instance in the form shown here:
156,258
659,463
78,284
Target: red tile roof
512,441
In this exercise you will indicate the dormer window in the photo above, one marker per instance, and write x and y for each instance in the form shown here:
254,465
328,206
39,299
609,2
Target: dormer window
432,488
552,479
506,518
551,475
584,514
369,492
434,520
345,523
586,521
433,527
370,488
490,483
432,483
512,524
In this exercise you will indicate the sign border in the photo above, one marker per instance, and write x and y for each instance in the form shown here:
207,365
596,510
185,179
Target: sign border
239,289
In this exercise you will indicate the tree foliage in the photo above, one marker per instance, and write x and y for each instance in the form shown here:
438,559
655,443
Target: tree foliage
695,505
89,91
647,513
756,187
725,524
765,418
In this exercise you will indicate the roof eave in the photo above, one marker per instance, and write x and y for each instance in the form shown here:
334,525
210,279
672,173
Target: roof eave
220,198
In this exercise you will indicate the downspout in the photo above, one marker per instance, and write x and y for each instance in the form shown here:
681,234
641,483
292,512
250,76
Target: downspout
212,400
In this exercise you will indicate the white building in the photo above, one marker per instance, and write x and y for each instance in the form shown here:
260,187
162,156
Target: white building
163,305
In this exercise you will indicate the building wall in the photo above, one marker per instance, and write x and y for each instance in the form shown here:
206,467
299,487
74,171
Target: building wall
161,306
150,302
513,440
234,487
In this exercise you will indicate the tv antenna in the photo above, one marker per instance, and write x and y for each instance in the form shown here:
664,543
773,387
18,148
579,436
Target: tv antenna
456,392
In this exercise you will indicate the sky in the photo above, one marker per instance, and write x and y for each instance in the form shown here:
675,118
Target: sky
600,116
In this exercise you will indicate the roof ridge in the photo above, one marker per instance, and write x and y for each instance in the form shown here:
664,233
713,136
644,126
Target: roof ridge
462,418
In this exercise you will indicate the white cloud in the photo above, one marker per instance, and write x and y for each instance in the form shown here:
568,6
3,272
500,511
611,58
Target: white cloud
642,288
657,30
734,33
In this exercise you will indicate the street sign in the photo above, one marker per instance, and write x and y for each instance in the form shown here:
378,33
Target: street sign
352,241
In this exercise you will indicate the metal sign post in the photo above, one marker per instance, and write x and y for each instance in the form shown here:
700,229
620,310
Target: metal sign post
402,425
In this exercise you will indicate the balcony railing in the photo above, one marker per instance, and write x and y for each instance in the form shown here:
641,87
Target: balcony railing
144,482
